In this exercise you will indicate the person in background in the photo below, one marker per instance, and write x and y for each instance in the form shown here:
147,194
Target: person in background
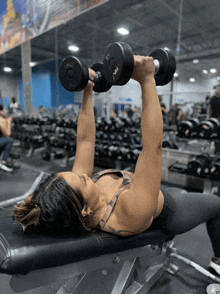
163,108
113,113
5,141
130,111
175,115
137,113
213,110
14,106
187,110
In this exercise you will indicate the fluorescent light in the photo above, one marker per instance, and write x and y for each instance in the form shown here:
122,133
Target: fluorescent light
213,70
122,31
205,71
7,69
32,63
196,61
73,48
176,75
192,80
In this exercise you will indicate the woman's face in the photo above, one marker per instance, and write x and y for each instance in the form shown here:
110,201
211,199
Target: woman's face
82,182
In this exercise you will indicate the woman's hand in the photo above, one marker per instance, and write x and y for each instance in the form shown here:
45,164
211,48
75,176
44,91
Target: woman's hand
144,68
90,85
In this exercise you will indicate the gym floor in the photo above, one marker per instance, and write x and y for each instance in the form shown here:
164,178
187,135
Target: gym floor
194,245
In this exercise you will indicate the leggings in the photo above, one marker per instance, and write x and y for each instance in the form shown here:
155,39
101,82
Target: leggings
184,211
6,143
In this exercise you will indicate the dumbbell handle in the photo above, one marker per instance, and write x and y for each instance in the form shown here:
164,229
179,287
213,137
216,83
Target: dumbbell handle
157,66
97,77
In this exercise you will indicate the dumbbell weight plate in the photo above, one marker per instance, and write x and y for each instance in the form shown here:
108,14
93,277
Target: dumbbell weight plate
118,63
102,85
215,122
167,66
73,74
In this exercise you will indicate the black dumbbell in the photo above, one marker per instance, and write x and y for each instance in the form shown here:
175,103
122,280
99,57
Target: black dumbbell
169,144
188,128
45,155
74,75
197,165
118,64
207,129
214,168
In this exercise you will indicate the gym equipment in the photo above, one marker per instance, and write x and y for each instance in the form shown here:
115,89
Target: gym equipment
45,155
74,75
214,168
169,144
118,64
208,129
213,289
68,264
198,164
188,128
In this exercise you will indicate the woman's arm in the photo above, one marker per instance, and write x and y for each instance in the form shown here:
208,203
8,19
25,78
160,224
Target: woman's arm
141,200
85,141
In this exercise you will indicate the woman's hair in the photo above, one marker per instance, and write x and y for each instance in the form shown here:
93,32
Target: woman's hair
54,208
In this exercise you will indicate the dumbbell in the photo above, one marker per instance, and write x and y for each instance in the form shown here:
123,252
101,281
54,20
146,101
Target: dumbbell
188,128
169,144
74,75
214,168
207,129
118,64
198,164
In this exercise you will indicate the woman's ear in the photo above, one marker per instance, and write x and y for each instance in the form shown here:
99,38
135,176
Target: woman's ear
86,211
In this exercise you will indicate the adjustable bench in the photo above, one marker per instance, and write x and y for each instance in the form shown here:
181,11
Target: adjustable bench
94,263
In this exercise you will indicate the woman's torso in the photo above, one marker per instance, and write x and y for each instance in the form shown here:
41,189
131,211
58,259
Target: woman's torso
112,181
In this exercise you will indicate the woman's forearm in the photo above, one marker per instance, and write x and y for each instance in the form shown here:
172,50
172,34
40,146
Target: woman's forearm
86,120
151,118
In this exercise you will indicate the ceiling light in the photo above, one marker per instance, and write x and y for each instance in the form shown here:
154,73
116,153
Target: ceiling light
7,69
196,61
213,70
176,75
123,31
32,63
205,71
73,48
192,80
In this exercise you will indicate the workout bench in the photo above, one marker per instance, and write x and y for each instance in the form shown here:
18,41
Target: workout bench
69,264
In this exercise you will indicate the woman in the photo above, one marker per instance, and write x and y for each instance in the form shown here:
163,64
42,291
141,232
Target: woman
5,141
116,201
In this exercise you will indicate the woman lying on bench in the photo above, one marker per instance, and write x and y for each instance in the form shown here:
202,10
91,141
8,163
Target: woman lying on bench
117,201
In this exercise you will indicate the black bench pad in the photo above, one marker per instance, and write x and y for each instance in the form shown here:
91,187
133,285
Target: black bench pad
21,253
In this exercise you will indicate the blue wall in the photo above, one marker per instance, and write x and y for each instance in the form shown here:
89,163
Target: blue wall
44,88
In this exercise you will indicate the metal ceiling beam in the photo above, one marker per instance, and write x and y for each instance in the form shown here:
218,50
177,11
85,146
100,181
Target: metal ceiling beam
169,8
42,51
205,54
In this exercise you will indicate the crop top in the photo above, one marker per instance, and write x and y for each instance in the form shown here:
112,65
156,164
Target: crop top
159,222
127,179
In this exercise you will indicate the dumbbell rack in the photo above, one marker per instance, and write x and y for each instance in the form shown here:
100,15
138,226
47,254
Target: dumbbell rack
210,184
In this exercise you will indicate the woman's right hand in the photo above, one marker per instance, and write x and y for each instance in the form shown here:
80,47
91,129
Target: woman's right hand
144,68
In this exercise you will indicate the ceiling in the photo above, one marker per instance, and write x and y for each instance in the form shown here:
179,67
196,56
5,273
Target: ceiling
152,24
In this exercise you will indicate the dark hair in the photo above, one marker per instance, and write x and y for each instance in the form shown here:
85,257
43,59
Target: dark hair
1,107
54,209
